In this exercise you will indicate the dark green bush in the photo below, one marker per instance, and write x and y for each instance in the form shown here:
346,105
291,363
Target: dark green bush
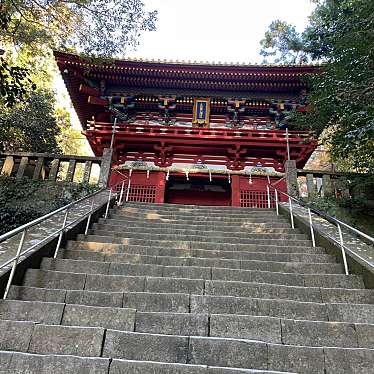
24,200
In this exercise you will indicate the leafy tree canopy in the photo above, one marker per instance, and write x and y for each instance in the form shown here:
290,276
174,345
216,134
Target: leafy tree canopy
30,126
94,27
340,34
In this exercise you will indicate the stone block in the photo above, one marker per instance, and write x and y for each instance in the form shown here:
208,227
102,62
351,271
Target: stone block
192,272
333,281
267,329
296,359
365,335
360,313
5,359
65,340
54,279
32,363
76,254
223,304
131,258
172,323
173,261
292,309
75,266
35,293
93,316
136,367
318,334
335,295
172,285
35,311
157,302
145,347
136,269
15,336
266,291
257,276
212,370
349,361
216,262
95,298
115,283
228,353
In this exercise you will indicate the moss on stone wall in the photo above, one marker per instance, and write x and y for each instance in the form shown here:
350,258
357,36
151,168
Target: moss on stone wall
24,200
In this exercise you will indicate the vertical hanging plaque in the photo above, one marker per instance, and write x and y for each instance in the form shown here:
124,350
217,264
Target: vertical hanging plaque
201,112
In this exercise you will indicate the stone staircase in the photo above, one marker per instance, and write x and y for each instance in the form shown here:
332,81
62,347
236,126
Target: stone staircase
170,289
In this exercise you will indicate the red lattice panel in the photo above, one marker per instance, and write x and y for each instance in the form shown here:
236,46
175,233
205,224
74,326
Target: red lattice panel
141,194
256,199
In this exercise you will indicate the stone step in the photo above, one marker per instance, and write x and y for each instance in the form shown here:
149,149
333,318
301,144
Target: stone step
121,283
199,235
149,255
196,229
203,272
185,303
16,362
191,242
218,214
261,328
187,219
221,352
189,207
187,247
280,223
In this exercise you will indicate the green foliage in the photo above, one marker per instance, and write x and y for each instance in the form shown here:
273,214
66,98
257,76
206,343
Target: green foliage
24,200
30,126
15,83
342,97
95,27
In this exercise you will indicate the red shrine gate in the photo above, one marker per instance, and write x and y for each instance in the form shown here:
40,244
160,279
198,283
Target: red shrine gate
174,118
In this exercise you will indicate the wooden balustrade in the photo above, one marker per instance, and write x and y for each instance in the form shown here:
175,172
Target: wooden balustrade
45,166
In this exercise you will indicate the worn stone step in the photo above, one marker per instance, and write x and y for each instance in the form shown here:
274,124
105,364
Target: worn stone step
50,339
189,207
188,247
174,214
280,223
213,230
149,255
198,235
16,362
189,270
191,242
144,367
120,283
184,303
186,219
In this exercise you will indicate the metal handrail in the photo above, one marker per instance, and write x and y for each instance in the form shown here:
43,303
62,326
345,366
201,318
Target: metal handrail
328,218
24,229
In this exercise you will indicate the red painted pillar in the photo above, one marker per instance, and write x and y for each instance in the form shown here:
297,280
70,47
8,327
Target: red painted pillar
235,190
160,187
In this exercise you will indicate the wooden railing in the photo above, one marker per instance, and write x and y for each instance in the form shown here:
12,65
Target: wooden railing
45,166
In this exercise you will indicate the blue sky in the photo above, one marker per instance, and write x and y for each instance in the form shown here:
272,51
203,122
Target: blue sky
216,30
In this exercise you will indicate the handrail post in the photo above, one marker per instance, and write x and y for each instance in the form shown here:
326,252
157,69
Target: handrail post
311,227
343,250
291,212
89,216
121,194
268,192
128,188
61,232
108,204
276,202
15,263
